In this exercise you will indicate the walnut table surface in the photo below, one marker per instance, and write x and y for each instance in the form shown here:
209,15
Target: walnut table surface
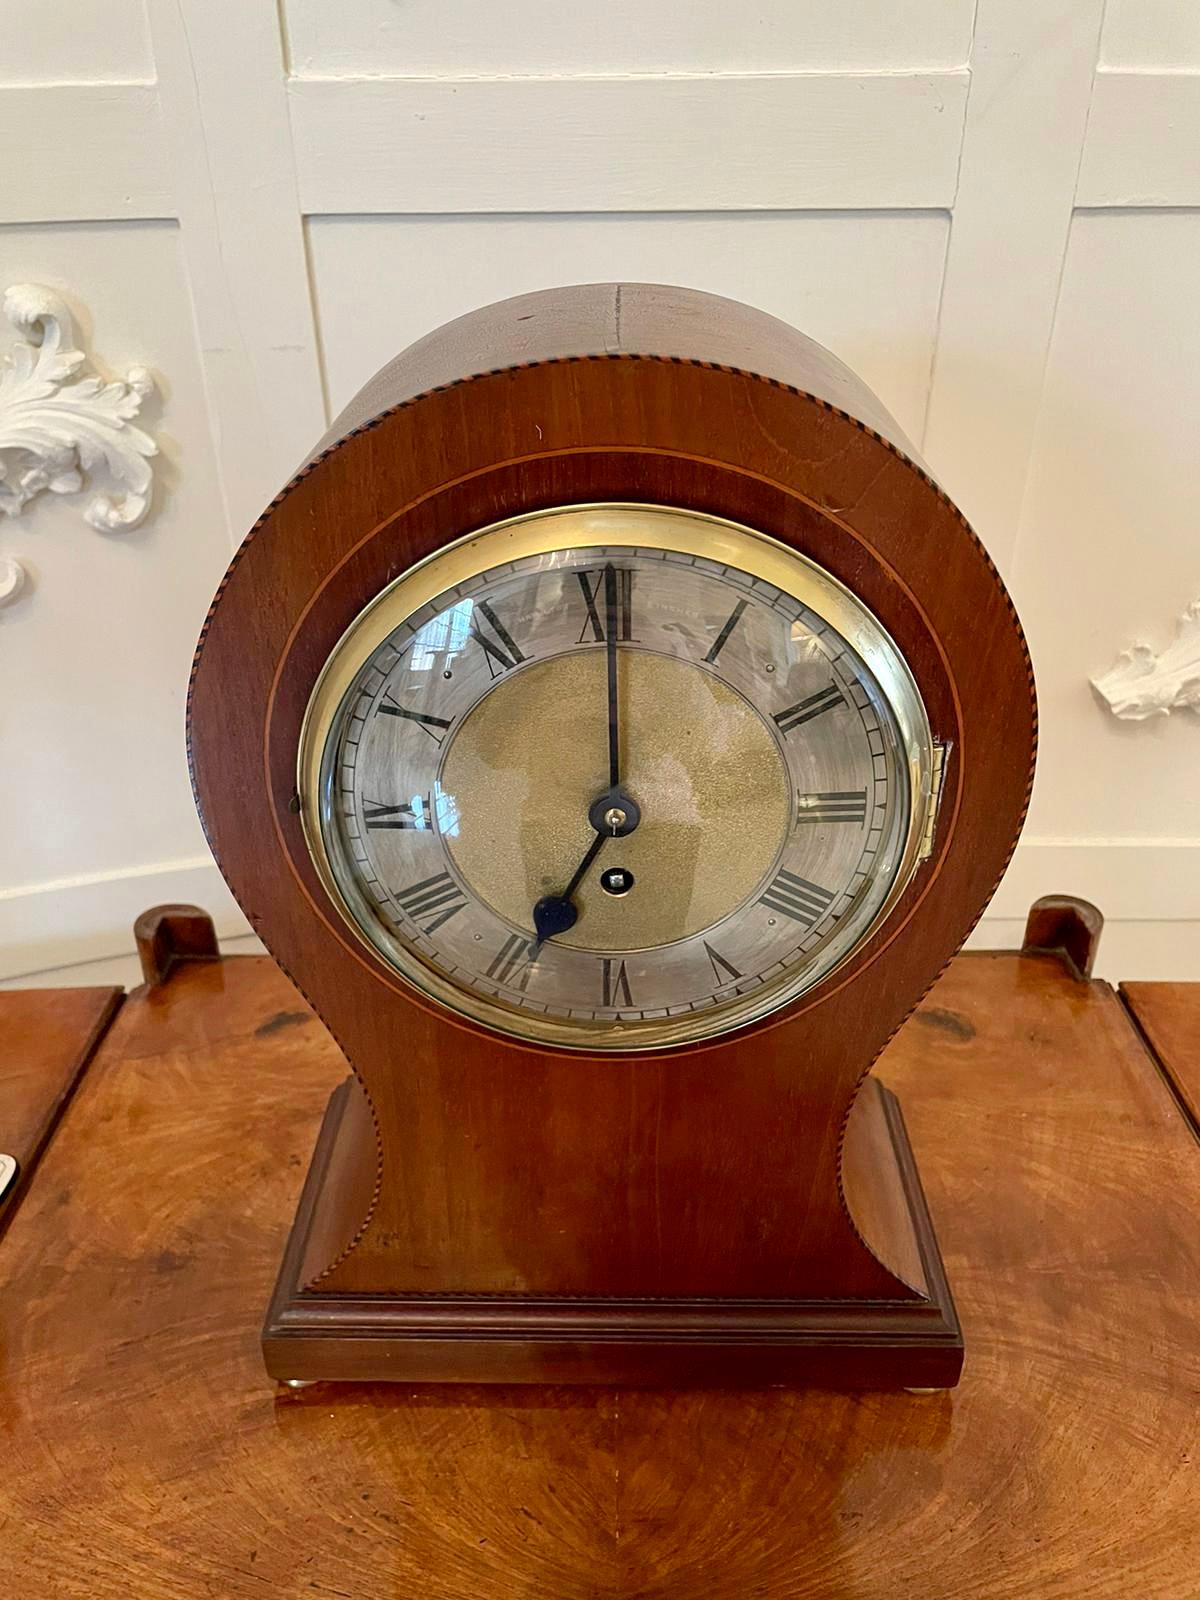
146,1455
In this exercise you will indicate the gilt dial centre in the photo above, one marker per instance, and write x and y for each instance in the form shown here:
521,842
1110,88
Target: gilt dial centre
706,771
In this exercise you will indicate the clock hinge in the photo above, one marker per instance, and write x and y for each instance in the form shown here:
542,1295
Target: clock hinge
941,755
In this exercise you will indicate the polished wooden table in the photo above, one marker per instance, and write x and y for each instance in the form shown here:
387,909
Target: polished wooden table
48,1037
145,1455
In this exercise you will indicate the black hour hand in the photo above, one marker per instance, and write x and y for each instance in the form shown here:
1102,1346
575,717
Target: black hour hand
555,913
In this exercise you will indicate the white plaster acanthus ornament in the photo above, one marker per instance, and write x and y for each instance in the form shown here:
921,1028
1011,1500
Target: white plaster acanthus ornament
12,579
1145,683
58,427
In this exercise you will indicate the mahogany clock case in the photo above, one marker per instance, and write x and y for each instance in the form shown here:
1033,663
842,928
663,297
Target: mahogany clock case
736,1210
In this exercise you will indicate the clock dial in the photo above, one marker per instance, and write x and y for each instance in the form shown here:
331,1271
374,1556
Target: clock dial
615,777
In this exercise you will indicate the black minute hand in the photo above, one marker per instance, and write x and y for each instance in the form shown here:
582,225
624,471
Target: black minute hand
612,814
610,629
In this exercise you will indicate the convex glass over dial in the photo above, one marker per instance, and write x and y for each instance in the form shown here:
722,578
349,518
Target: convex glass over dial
615,777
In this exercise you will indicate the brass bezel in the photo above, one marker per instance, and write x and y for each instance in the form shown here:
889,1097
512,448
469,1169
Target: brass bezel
609,525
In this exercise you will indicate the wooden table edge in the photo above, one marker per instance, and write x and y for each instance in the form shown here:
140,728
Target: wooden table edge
10,1201
1181,1091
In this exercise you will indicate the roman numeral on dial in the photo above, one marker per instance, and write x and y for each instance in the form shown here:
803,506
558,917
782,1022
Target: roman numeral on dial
432,902
513,962
417,814
804,902
614,982
435,727
806,710
595,598
723,971
836,805
498,644
734,618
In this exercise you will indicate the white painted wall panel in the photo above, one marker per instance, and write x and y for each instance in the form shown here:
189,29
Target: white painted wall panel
803,155
227,140
72,152
74,41
1151,34
867,285
1143,141
628,144
96,650
1110,542
417,37
1031,83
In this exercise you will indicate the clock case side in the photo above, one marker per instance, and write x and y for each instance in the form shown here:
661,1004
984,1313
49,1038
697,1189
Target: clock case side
677,430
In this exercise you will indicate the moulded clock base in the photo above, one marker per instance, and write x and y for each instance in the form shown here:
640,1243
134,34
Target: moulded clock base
914,1344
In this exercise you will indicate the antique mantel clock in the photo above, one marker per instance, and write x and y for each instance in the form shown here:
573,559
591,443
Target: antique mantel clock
612,731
